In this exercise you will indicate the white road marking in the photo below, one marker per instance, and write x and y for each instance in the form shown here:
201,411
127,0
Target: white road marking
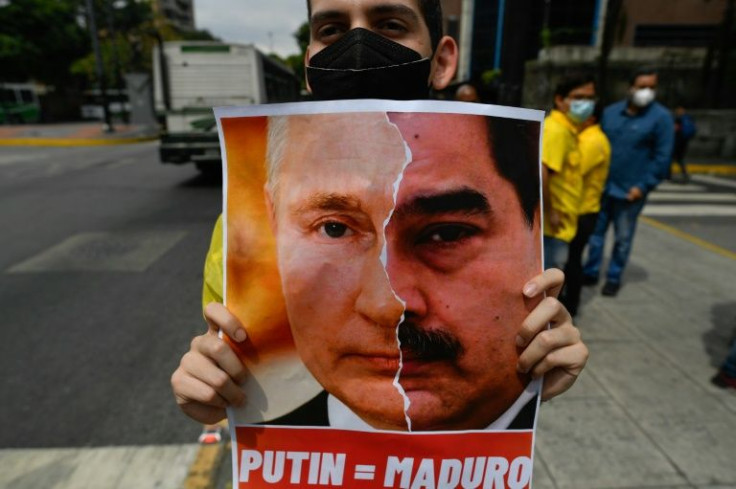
715,180
689,197
693,210
680,187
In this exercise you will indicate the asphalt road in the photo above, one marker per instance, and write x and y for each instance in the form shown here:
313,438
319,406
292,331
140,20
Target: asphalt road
704,208
100,279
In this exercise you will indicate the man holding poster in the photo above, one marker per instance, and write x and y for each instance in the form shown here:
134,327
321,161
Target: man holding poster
416,226
208,377
401,236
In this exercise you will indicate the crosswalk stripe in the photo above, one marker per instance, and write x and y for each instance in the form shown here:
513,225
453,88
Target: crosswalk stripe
678,187
691,197
715,180
693,210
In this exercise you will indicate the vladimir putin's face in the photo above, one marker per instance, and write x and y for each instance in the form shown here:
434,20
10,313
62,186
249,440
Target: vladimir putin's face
334,195
459,253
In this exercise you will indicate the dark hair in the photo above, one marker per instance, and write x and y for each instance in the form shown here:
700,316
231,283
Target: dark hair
571,81
515,147
598,111
432,13
643,71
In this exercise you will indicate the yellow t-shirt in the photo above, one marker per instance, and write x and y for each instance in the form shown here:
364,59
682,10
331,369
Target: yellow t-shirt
560,154
595,158
212,286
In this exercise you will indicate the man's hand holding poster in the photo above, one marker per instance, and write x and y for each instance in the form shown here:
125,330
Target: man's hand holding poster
376,253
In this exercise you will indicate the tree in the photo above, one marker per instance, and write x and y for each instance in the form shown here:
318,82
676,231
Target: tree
296,61
38,40
128,30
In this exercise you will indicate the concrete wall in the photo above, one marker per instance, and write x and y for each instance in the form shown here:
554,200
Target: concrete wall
716,136
679,83
666,12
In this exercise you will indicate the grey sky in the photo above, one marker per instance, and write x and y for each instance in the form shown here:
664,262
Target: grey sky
250,21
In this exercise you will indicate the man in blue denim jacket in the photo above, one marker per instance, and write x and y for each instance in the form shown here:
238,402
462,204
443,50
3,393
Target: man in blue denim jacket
641,133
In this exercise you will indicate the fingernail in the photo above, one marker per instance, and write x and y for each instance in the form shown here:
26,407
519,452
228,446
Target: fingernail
240,336
519,341
530,289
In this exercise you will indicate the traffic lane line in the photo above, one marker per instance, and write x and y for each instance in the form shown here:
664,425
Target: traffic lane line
689,237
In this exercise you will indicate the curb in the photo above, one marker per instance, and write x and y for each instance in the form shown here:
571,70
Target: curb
203,471
696,168
60,142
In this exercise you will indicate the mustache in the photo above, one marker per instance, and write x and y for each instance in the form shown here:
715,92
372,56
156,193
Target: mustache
429,344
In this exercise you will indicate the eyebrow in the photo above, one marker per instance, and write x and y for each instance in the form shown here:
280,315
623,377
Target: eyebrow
325,15
463,200
395,9
324,201
381,9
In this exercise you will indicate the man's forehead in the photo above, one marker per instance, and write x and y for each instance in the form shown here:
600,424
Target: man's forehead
345,6
645,80
427,132
331,144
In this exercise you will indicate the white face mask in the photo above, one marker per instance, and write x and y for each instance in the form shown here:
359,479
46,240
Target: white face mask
642,97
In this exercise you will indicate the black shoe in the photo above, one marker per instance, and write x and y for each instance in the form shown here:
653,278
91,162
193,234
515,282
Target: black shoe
610,289
724,381
590,280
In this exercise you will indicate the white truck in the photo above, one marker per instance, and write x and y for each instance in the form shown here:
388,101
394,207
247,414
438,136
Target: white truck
191,77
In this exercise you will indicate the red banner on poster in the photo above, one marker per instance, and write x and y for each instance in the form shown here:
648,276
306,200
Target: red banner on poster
287,457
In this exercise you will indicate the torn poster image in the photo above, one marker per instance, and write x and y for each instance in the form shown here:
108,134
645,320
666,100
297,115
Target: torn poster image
376,253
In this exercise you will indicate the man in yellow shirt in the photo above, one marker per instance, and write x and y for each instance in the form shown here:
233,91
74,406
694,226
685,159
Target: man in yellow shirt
562,182
595,158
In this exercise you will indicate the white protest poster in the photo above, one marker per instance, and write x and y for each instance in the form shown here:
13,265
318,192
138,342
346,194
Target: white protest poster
376,252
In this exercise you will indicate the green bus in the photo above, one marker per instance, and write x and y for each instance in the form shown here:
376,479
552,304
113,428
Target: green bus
19,103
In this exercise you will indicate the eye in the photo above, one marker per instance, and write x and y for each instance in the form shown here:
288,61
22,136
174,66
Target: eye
392,27
330,33
334,229
447,233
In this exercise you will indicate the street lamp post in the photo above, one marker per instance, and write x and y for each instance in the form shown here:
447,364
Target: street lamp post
98,65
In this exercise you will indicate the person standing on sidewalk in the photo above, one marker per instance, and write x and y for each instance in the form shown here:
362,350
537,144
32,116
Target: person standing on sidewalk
684,132
595,158
641,132
726,376
562,182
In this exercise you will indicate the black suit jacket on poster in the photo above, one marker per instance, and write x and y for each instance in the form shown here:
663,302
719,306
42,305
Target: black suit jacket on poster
314,413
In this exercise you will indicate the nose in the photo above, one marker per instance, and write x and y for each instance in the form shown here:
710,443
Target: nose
376,300
403,274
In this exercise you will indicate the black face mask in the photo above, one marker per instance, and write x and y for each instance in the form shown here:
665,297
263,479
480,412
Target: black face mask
362,64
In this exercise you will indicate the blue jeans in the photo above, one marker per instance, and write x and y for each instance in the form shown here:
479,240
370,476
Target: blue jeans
623,214
555,253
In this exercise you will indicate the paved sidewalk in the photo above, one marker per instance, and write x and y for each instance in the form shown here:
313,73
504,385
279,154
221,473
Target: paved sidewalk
160,467
643,413
74,134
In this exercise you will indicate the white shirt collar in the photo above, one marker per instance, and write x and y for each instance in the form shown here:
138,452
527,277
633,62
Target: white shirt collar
340,416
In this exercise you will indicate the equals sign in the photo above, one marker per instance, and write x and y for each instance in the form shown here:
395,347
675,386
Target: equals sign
365,472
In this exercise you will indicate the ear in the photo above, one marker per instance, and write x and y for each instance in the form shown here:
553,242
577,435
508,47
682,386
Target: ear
444,63
560,103
270,209
306,63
